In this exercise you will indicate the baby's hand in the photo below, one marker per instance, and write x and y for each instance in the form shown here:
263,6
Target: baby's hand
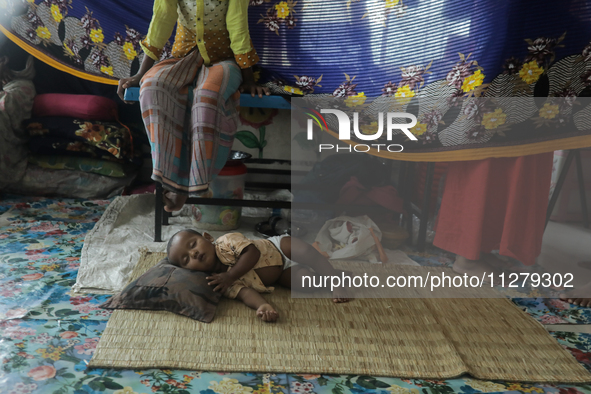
223,281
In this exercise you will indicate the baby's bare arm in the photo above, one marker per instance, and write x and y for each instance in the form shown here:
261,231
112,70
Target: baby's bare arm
254,300
251,298
247,260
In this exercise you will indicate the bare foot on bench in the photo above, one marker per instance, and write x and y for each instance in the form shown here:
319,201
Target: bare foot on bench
267,313
173,201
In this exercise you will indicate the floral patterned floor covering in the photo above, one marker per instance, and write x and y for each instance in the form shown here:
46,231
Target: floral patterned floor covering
545,310
48,336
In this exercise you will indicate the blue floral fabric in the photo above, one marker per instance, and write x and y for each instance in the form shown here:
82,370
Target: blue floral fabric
345,47
554,311
49,335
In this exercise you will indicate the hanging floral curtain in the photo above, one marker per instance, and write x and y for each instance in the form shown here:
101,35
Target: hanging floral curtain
360,50
343,47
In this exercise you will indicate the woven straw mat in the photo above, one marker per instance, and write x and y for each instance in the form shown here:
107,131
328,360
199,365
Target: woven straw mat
412,338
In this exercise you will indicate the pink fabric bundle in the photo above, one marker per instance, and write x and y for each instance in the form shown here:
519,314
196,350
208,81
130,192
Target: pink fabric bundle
80,106
353,192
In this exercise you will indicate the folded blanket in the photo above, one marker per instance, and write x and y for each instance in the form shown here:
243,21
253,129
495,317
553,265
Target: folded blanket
107,136
66,147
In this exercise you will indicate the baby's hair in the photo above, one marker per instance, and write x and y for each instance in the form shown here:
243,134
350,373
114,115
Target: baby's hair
171,240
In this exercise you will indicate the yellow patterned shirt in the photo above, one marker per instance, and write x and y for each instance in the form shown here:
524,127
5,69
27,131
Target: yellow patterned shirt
228,248
219,28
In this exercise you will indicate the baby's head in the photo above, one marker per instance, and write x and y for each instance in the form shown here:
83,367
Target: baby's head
191,250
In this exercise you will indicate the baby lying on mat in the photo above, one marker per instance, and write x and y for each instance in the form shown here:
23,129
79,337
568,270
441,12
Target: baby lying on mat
242,268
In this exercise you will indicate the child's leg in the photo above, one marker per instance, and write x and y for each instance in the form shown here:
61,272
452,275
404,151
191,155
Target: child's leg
292,278
254,300
305,254
214,120
163,96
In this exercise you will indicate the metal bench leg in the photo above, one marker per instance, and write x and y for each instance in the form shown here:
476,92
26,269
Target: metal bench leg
582,195
559,183
408,185
158,213
425,209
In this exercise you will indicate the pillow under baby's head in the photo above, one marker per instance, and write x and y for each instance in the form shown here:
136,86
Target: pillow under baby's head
192,250
169,288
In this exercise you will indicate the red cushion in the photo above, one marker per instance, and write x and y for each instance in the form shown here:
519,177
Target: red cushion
87,107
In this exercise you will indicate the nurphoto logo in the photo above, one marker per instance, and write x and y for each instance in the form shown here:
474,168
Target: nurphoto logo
393,120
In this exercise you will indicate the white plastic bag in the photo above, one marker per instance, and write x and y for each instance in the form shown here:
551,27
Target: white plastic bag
347,237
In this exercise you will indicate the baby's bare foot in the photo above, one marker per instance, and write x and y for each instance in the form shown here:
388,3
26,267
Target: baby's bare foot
267,313
173,201
339,296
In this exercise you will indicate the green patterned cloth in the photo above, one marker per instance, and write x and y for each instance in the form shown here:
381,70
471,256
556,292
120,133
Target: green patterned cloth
85,164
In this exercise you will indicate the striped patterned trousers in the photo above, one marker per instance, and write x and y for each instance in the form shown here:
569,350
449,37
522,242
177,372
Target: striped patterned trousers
191,115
